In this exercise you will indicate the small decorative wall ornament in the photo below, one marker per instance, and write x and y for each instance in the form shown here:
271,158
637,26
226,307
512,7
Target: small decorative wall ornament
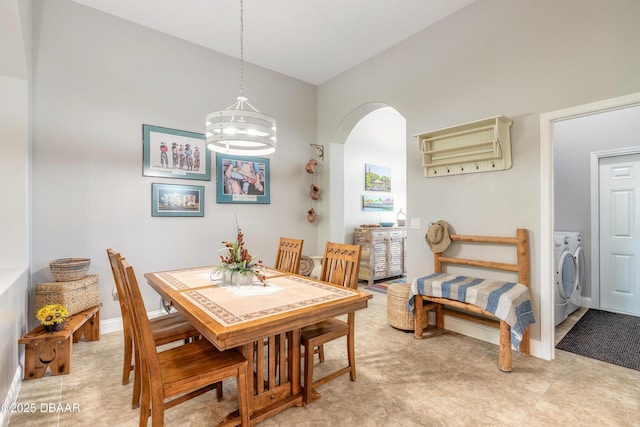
310,166
318,151
314,190
314,193
311,215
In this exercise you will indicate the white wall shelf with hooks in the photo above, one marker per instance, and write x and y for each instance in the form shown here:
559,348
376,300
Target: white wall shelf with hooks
480,146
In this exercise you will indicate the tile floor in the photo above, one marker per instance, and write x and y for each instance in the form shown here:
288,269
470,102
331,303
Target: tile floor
446,380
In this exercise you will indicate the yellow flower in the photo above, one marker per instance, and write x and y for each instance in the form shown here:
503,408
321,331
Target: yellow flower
52,314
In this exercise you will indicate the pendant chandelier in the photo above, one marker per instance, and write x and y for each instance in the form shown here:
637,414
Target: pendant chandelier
241,129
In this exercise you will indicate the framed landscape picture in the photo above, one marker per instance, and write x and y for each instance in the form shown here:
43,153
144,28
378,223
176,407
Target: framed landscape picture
377,203
172,153
242,179
177,200
377,178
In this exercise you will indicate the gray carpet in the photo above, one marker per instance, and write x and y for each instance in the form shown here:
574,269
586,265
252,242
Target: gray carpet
609,337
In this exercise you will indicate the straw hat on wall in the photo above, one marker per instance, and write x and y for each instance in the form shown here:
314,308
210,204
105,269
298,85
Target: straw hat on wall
438,236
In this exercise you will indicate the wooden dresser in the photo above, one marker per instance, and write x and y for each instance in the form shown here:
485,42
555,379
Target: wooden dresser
383,252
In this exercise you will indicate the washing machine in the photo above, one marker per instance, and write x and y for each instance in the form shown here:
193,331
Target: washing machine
566,279
574,242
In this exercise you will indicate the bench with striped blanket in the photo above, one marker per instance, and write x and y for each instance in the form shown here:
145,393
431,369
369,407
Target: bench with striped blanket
505,305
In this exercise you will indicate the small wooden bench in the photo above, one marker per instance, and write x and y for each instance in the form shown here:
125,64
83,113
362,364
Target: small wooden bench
53,349
470,312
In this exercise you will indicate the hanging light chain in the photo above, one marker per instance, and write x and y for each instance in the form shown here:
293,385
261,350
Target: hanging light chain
241,129
241,48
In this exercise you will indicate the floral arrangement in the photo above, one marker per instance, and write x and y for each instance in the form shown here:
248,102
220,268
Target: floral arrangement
52,314
237,261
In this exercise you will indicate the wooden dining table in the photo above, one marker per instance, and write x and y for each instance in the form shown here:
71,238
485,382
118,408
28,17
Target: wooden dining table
262,321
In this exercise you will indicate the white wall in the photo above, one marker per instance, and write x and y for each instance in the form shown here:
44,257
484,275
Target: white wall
14,122
377,139
97,80
15,70
518,58
14,261
573,141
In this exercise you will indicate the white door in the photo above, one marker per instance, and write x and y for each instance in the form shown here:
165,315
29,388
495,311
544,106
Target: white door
619,181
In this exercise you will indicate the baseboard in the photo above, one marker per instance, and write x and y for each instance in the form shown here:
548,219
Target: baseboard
12,397
483,332
472,329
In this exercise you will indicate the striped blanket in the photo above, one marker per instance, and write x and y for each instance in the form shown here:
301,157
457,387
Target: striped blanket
505,300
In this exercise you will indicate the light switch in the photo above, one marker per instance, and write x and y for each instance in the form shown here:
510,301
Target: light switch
415,223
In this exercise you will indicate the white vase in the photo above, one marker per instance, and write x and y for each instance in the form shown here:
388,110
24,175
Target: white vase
237,278
242,278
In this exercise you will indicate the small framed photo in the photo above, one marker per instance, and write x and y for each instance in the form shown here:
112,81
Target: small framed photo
377,178
177,200
377,203
172,153
242,179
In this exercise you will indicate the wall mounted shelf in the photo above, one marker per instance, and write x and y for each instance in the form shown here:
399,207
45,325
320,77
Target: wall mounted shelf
480,146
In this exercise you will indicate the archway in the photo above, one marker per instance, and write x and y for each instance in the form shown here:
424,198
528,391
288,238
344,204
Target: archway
380,132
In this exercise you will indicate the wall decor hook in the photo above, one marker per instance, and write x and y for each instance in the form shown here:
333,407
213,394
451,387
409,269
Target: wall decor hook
318,151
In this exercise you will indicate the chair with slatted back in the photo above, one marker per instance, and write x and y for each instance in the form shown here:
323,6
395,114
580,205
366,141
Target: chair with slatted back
340,266
165,329
180,373
289,254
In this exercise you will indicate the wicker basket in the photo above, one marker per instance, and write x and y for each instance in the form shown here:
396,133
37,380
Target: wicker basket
75,295
397,314
68,269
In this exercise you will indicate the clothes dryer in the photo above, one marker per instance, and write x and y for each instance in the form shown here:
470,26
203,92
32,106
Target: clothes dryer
574,243
565,278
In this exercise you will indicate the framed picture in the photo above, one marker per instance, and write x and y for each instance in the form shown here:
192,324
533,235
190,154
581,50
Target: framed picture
177,200
377,203
377,178
172,153
242,179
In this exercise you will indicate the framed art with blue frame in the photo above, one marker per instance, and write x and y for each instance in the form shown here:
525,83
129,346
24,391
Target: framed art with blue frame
177,200
242,179
172,153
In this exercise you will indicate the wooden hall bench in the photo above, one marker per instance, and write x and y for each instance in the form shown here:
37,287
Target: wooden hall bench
53,349
503,305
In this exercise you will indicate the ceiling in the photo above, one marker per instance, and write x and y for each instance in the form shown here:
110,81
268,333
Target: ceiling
310,40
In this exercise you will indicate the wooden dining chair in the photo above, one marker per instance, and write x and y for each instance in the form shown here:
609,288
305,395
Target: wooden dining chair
289,254
180,373
165,329
340,266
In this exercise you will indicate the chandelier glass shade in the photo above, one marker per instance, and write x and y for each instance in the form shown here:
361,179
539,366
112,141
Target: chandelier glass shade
241,129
